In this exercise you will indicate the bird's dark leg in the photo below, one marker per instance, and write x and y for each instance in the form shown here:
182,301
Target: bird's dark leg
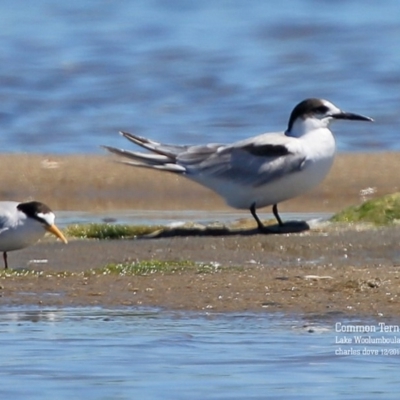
5,260
275,211
253,213
288,227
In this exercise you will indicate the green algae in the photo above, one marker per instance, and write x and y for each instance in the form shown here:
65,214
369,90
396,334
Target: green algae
108,231
147,267
381,211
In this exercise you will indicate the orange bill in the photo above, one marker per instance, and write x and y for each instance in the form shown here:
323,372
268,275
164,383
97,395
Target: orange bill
56,232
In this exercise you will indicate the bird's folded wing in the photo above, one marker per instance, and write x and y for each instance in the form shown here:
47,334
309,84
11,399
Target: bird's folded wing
250,163
4,223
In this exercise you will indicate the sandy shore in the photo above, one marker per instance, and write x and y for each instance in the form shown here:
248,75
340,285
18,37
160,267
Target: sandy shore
95,183
325,271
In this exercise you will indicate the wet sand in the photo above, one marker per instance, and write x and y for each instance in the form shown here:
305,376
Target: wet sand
327,271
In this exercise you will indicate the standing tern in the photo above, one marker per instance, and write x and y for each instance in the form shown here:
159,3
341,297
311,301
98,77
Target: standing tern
23,224
256,172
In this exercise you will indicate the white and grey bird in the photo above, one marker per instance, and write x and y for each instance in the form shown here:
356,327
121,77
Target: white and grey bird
23,224
260,171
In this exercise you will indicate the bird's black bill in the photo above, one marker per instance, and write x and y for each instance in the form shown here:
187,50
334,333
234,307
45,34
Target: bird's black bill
351,117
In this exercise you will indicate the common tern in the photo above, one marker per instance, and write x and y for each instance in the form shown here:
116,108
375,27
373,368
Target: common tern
259,171
23,224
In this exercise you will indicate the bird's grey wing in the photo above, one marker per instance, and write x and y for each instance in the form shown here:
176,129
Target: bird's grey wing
4,226
168,150
251,162
7,214
204,160
257,165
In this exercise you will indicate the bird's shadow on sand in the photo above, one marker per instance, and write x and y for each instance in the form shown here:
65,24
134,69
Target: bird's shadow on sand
287,227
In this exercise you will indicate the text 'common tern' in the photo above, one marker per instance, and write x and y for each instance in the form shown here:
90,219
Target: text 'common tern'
256,172
23,224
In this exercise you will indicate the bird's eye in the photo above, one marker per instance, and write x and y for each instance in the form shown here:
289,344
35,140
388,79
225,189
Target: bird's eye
321,109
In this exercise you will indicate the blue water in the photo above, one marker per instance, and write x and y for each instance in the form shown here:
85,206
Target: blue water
94,353
72,74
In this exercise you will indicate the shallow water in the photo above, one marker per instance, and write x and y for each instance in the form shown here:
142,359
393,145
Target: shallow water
74,73
162,217
96,353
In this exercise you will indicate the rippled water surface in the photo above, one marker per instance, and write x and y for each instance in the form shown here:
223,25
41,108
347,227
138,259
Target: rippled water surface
73,73
95,353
